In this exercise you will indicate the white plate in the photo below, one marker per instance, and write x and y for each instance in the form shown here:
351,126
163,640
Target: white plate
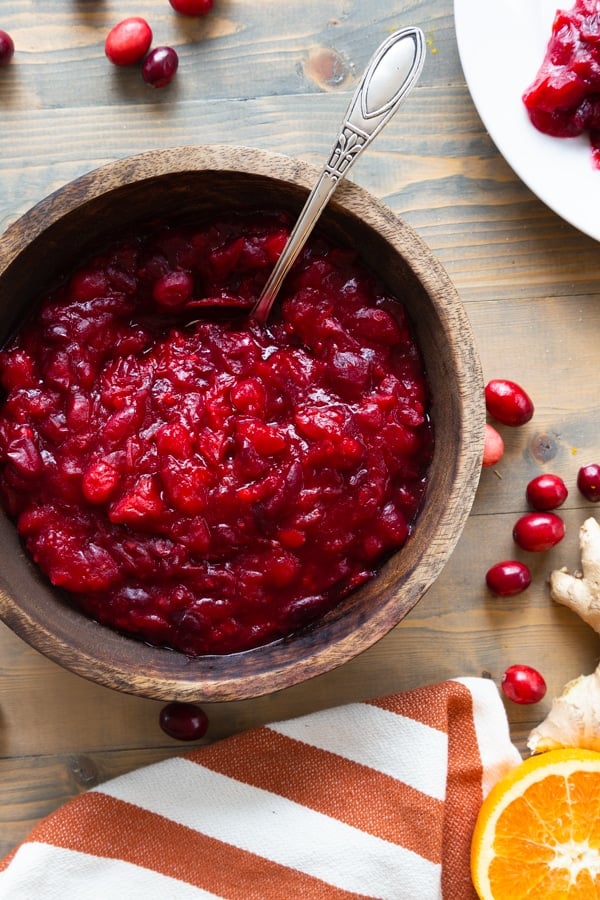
502,44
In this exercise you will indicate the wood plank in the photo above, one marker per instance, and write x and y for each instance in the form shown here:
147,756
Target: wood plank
246,50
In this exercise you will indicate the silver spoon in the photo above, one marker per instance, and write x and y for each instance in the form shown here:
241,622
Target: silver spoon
390,76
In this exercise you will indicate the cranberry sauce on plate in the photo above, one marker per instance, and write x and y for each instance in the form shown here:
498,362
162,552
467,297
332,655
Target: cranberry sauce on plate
564,98
197,481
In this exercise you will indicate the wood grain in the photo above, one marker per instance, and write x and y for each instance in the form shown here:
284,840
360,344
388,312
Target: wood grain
277,76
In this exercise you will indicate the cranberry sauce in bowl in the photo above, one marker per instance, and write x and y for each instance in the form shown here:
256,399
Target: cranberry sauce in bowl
191,478
130,388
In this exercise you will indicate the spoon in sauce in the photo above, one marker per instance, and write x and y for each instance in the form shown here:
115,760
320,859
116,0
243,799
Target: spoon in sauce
389,77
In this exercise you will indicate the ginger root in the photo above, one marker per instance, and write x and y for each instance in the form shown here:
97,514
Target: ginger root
582,593
574,717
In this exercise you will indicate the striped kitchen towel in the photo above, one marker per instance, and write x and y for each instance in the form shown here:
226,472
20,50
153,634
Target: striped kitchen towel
369,800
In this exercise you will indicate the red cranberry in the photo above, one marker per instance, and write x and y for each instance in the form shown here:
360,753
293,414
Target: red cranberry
192,7
183,721
7,48
173,289
588,482
538,531
99,481
505,579
160,66
522,684
507,402
546,492
493,448
128,42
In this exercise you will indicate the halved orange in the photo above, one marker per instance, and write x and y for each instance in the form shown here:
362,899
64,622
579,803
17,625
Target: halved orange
537,835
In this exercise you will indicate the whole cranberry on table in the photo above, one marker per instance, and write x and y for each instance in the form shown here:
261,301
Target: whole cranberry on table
160,66
7,48
522,684
588,482
493,447
538,531
507,578
507,402
546,492
192,7
128,41
183,721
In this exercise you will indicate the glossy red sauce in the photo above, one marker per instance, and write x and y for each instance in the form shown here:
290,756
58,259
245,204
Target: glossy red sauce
564,99
197,481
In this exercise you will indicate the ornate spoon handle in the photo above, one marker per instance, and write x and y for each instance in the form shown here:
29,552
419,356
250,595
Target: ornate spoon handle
390,76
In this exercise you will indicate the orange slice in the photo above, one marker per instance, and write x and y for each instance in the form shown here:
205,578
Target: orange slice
537,835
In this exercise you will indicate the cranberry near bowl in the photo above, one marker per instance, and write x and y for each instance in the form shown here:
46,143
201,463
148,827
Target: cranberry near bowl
219,184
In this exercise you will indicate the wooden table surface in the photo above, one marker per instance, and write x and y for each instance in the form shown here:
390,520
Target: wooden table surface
277,75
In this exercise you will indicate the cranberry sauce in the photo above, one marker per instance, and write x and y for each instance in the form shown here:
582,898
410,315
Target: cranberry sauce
564,99
191,478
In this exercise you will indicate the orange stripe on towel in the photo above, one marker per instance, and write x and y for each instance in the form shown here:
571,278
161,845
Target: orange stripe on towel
113,829
428,705
463,796
345,790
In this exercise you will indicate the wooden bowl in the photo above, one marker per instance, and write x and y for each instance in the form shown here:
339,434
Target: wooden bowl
49,240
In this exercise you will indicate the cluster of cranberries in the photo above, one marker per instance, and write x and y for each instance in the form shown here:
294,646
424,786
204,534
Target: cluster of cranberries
535,531
509,404
129,42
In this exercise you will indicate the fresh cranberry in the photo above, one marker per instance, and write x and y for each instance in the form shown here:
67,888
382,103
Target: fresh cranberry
7,48
192,7
522,684
507,402
183,721
538,531
588,482
160,67
493,447
128,41
546,492
505,579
